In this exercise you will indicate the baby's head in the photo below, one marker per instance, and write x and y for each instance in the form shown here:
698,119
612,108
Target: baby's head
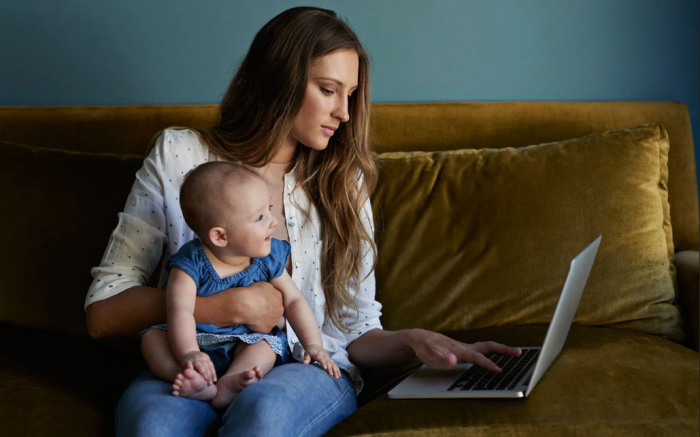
228,206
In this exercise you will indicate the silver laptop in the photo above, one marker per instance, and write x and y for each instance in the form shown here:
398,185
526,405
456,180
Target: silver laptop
520,374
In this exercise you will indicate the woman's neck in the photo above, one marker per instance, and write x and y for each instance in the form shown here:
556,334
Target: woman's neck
287,153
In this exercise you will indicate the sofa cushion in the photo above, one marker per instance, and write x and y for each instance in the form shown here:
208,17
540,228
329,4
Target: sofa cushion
605,382
58,209
475,238
53,385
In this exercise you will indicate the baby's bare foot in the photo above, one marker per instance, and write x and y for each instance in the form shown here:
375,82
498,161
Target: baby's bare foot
190,384
229,386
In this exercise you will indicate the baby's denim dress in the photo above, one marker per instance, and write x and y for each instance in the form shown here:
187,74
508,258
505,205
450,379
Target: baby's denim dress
219,342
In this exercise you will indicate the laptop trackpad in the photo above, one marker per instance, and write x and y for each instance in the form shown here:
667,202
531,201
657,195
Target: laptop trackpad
427,380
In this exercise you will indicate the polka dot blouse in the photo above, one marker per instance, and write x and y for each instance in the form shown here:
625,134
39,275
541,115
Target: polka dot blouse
151,226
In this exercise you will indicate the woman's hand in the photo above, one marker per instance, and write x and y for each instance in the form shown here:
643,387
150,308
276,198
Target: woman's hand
259,306
441,352
317,353
201,363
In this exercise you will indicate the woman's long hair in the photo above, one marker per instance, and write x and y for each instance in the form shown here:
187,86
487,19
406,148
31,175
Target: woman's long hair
257,113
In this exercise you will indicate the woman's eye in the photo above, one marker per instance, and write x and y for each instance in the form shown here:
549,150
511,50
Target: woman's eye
326,91
270,208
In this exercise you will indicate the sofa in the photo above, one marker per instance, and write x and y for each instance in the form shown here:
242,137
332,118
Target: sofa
479,209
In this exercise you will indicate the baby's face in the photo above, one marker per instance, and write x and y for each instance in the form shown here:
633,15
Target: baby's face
251,221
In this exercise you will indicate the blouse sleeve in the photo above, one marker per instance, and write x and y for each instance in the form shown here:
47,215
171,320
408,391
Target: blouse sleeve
136,244
368,309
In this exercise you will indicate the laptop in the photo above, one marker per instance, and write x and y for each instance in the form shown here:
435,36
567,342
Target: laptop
520,374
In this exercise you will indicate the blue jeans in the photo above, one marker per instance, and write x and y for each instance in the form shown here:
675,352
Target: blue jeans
292,400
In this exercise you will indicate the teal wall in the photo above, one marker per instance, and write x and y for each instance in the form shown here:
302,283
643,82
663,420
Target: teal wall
125,52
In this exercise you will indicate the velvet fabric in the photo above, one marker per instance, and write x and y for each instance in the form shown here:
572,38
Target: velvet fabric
600,385
62,190
688,270
431,126
484,237
59,208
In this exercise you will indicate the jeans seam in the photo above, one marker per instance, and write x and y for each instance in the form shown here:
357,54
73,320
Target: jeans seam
327,412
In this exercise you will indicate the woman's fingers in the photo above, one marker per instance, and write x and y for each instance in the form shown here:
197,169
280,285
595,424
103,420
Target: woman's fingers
472,356
487,347
441,352
475,353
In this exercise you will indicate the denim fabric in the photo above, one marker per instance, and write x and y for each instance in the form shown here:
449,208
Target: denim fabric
192,259
292,400
221,354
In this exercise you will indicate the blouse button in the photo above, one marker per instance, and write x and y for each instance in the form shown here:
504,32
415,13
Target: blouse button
291,225
289,186
298,263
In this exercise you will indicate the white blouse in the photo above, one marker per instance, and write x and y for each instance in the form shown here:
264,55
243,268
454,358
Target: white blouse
152,221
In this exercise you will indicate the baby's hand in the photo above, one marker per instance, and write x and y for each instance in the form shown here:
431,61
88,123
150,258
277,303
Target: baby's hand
317,353
200,362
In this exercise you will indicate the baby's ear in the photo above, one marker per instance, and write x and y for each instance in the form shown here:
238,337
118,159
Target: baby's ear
217,236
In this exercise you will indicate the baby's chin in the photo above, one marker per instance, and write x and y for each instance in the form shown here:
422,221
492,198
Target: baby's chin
265,251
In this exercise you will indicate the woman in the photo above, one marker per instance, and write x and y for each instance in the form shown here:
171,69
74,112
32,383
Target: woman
297,111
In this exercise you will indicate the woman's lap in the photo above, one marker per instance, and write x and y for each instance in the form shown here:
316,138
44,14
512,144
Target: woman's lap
148,408
293,399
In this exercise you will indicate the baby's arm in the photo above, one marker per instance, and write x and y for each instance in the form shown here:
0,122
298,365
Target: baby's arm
180,298
302,319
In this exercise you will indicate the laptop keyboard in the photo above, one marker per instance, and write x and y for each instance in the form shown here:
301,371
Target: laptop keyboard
478,378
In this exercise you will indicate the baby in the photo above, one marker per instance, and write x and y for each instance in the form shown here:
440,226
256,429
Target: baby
228,208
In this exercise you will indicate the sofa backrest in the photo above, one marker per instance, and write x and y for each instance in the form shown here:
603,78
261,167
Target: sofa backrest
49,197
396,127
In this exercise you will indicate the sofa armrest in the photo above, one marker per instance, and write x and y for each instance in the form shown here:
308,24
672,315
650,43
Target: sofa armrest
688,270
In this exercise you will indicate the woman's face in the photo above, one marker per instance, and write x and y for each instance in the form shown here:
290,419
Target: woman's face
332,80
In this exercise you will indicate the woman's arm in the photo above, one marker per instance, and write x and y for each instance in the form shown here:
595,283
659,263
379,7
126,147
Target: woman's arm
127,313
259,306
118,303
378,348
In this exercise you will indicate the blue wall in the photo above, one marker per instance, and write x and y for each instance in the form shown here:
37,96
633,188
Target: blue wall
87,52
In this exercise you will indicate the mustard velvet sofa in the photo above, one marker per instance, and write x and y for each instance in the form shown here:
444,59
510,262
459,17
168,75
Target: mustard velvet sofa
478,211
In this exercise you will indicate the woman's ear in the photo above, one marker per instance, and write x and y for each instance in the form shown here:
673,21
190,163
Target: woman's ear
217,236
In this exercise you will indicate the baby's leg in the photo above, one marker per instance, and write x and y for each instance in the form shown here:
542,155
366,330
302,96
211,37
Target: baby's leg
250,363
155,348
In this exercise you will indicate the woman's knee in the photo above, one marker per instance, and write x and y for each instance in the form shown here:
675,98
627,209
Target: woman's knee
295,399
148,409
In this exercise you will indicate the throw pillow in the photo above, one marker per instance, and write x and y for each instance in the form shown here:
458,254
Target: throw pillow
475,238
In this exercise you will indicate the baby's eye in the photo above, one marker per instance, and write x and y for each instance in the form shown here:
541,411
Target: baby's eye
326,91
260,217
